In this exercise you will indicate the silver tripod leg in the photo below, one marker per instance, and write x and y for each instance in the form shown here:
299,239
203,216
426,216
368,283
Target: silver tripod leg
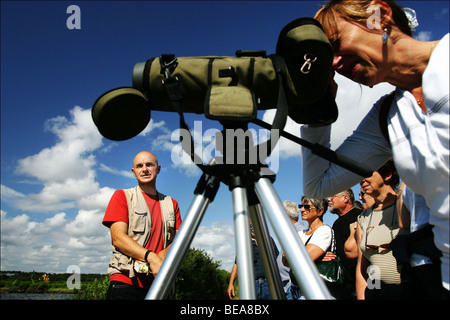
267,253
166,276
244,248
306,272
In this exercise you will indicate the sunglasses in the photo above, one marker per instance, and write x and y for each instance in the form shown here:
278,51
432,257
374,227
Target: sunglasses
385,246
306,206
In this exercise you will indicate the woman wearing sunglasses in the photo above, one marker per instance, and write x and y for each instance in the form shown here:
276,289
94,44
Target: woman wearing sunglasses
317,237
350,245
377,275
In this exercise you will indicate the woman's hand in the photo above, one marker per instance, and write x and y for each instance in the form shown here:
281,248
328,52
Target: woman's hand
329,256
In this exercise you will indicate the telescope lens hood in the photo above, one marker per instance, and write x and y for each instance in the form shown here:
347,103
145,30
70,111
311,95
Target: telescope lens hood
121,113
282,46
138,75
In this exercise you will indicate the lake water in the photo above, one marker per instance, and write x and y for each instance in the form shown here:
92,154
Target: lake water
36,296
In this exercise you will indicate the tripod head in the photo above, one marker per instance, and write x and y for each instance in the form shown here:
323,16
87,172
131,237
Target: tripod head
241,154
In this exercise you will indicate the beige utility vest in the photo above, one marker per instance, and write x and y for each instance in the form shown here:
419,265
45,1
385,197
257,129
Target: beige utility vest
140,226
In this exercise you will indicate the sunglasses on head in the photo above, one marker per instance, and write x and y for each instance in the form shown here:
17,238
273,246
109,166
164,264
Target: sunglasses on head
306,206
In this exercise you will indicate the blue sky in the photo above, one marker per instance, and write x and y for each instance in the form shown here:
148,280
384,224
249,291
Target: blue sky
58,173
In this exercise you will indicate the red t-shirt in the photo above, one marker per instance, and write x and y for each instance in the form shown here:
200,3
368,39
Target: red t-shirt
117,210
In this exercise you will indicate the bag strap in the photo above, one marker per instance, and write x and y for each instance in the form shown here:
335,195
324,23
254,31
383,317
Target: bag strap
308,240
333,241
282,109
168,64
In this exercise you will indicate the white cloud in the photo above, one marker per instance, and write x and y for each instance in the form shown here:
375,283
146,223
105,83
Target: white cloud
69,156
55,244
96,200
218,241
66,170
424,36
169,141
86,223
58,220
151,126
60,242
123,173
442,15
353,101
287,148
75,244
10,195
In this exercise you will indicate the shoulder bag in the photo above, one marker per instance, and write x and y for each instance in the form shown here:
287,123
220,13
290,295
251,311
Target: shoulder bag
332,272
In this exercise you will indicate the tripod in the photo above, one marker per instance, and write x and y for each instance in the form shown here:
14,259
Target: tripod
246,181
250,190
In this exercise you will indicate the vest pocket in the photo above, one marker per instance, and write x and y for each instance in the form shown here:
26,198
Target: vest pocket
138,222
170,228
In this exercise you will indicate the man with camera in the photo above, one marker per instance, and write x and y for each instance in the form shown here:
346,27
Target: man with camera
143,223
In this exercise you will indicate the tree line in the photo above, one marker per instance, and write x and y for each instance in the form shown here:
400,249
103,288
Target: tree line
199,278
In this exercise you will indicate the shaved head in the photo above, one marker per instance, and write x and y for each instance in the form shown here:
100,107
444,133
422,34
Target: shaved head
144,154
146,169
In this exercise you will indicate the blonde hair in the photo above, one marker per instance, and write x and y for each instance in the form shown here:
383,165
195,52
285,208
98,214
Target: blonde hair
357,11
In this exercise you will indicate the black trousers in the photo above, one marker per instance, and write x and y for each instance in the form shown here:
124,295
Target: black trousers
122,291
425,282
422,282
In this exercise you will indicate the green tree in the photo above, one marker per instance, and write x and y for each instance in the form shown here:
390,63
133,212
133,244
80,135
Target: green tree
200,278
94,289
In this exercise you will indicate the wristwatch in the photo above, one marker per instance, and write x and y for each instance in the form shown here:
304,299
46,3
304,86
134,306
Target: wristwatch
146,255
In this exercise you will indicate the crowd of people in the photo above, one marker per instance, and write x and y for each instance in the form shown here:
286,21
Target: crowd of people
386,247
396,244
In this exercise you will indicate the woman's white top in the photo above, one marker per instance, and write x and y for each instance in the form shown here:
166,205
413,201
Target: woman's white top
321,237
419,145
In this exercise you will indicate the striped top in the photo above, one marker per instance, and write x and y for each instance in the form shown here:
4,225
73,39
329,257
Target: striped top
380,227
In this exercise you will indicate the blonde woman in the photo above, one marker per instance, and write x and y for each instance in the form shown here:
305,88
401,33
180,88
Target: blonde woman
415,128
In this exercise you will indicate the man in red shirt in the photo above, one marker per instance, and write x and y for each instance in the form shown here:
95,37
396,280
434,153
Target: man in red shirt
143,223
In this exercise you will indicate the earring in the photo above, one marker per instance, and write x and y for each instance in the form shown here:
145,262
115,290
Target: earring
385,36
